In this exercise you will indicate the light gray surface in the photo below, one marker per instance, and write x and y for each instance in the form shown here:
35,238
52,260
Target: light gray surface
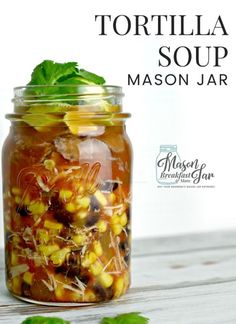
187,279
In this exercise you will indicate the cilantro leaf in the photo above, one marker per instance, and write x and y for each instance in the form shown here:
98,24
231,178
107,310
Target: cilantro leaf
44,320
129,318
49,72
91,77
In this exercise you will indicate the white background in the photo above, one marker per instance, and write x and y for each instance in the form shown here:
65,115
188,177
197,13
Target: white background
200,120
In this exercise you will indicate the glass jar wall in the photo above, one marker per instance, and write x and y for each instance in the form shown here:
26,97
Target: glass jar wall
67,195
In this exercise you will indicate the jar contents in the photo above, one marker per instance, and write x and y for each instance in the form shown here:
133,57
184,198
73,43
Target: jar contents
67,203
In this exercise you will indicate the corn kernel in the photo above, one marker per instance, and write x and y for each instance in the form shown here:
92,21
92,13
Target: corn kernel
92,257
58,257
105,279
17,199
100,198
83,202
65,194
70,207
79,238
48,249
123,219
49,164
16,240
53,225
16,191
16,284
27,200
42,235
102,226
89,296
37,208
82,214
118,287
96,268
59,292
14,258
81,190
115,219
116,228
97,247
89,259
28,277
112,197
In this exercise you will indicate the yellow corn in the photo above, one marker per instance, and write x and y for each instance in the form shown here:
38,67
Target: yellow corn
37,208
116,228
105,279
27,200
123,219
59,292
65,194
79,238
16,191
49,164
53,225
48,249
100,198
58,257
18,199
82,214
118,287
15,240
112,197
16,284
28,277
42,235
102,226
115,219
89,296
97,247
96,268
70,207
81,190
89,259
83,202
14,258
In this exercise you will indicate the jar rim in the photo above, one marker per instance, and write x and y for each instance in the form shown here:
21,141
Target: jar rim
31,92
97,102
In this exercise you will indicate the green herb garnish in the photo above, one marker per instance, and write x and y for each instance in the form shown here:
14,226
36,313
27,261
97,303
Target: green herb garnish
52,73
129,318
44,320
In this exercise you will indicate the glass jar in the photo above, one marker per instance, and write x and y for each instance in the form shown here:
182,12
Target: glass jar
67,195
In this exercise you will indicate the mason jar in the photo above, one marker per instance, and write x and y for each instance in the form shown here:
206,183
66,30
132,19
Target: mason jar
67,195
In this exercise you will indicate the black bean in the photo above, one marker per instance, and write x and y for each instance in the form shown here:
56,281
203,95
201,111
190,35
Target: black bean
71,267
64,217
128,213
54,203
84,278
123,246
25,288
127,258
92,219
22,210
94,204
103,293
74,258
109,186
